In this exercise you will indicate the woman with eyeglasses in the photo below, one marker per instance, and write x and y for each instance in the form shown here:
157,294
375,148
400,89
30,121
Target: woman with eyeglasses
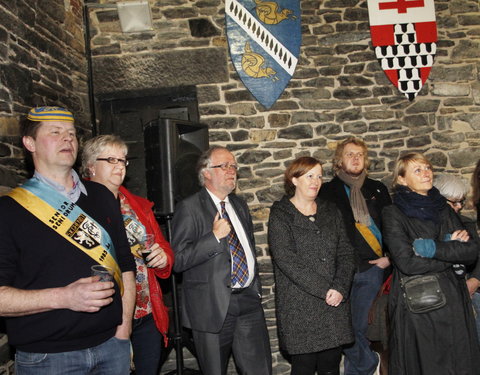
104,160
455,190
314,264
431,317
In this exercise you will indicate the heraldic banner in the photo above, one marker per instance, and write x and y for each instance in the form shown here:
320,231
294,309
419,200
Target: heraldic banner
264,39
404,35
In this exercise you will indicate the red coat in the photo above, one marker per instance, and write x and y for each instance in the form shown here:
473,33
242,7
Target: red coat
143,210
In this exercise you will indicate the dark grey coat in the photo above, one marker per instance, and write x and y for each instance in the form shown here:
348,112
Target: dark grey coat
310,258
440,342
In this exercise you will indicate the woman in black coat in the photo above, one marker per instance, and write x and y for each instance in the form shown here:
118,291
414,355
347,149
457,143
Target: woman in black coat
425,237
314,264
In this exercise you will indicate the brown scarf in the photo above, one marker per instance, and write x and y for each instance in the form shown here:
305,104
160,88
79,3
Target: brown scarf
357,201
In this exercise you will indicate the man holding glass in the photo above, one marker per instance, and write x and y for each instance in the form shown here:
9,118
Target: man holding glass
53,229
215,249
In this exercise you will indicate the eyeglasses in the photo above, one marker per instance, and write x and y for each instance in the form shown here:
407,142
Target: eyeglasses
460,203
111,160
225,166
352,155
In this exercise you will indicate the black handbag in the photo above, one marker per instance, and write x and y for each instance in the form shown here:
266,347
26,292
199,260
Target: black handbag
423,293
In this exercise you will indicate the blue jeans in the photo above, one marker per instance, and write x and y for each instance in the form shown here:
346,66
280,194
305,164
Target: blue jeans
476,307
359,358
147,345
110,358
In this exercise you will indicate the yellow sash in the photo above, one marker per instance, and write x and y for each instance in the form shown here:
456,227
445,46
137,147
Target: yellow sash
72,231
370,238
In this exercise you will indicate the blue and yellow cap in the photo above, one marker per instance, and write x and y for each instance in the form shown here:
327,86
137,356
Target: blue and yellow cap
49,113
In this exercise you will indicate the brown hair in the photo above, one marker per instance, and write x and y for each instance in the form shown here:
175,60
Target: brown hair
402,162
476,184
337,158
298,168
30,128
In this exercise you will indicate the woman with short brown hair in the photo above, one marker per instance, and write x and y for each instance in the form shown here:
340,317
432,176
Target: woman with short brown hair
314,264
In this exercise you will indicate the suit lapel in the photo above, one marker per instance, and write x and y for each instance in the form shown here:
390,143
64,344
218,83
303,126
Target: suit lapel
208,205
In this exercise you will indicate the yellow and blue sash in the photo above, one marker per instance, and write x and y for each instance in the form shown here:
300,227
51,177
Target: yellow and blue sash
69,221
370,233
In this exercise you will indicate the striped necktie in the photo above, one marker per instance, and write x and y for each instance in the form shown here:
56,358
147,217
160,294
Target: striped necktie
240,266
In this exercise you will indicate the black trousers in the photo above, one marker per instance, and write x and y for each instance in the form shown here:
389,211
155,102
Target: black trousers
326,362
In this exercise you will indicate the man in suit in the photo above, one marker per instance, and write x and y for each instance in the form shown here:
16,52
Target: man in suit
360,200
212,237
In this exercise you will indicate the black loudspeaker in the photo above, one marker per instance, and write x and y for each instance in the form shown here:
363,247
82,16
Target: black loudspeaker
172,149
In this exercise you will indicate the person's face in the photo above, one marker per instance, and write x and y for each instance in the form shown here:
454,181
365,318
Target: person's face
456,204
353,159
221,180
418,177
109,174
308,185
55,145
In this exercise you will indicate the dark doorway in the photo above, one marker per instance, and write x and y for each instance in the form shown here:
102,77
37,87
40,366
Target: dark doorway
127,113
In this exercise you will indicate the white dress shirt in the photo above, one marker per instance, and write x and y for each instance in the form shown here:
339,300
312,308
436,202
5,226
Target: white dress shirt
242,236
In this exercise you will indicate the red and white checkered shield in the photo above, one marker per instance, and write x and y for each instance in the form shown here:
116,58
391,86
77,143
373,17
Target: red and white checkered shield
404,35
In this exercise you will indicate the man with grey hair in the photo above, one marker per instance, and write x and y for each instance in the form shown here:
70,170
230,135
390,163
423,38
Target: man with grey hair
213,242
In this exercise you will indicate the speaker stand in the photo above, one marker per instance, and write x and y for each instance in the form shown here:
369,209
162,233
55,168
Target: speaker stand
178,339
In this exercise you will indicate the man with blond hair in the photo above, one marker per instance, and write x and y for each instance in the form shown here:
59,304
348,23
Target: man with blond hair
360,200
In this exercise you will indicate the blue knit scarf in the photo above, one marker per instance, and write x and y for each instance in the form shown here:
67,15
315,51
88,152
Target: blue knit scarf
424,207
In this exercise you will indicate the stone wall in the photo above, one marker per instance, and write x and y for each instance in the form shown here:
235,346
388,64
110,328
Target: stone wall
41,63
338,90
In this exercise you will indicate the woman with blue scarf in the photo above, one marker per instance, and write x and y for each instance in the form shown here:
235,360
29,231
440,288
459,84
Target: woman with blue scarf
431,317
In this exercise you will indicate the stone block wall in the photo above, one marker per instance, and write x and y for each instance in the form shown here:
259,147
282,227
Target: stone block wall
41,63
338,90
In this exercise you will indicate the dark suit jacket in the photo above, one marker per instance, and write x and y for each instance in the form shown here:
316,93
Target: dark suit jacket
376,196
205,262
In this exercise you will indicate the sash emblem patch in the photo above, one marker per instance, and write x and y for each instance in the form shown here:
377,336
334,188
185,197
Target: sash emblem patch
85,232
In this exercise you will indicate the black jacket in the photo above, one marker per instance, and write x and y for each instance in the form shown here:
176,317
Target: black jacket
376,196
439,342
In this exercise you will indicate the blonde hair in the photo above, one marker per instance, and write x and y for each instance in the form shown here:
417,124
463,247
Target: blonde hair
337,158
95,146
402,162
